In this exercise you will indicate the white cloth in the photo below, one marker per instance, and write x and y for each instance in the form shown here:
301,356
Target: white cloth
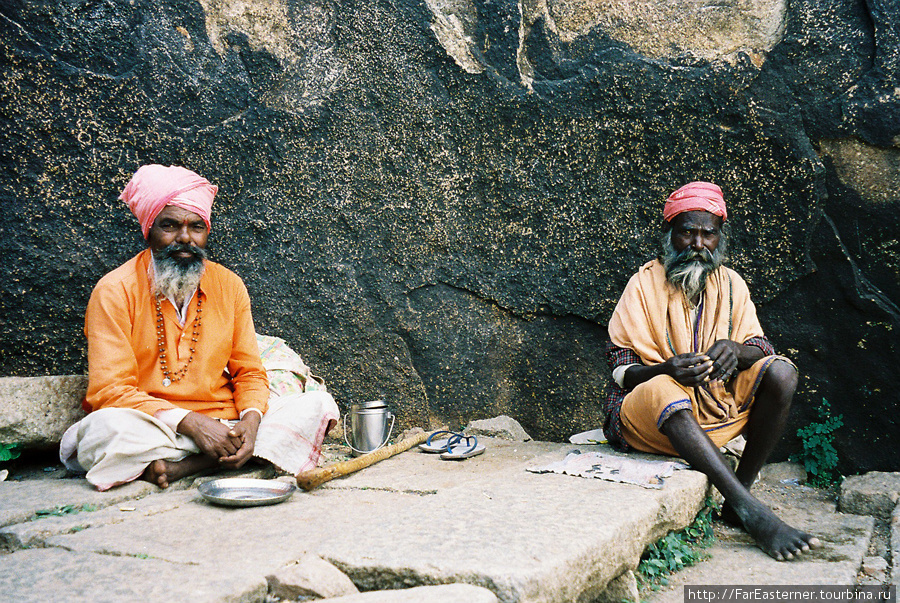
613,468
115,445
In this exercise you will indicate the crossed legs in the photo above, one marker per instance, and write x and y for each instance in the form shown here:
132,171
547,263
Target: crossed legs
767,421
162,473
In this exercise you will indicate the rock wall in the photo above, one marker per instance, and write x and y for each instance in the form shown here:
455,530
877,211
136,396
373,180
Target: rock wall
439,203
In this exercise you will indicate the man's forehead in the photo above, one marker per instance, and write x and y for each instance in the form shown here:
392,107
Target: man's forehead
179,214
697,219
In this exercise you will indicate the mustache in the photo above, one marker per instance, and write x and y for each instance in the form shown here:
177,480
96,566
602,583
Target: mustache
687,255
171,252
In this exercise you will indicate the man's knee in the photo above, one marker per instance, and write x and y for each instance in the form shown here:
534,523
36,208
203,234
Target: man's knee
781,377
657,383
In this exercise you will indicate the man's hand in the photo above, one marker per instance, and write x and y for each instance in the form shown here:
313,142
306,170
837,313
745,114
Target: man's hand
725,356
211,436
245,433
689,370
722,361
730,357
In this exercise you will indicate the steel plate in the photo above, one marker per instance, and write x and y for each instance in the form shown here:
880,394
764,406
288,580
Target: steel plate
246,492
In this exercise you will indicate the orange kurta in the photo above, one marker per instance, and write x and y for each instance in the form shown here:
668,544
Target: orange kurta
226,375
653,319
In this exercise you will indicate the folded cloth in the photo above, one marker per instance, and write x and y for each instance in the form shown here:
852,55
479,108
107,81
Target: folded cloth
613,468
287,372
293,429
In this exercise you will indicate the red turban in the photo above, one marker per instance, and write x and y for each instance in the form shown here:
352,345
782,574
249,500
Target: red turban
154,186
696,195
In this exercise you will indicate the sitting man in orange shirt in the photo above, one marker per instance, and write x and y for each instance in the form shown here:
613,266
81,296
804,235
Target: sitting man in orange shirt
175,380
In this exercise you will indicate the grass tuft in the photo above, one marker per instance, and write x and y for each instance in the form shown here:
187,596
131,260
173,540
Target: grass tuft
677,550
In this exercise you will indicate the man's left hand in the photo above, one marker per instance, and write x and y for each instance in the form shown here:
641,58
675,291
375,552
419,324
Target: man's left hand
724,355
244,434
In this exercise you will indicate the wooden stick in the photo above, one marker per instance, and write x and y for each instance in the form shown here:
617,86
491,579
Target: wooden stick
309,480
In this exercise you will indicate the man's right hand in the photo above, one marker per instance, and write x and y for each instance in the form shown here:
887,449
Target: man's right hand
689,370
210,435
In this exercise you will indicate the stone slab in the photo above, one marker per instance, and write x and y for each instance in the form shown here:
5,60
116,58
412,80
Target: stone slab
875,493
413,520
42,575
35,533
735,560
444,593
311,577
623,589
20,501
874,569
36,411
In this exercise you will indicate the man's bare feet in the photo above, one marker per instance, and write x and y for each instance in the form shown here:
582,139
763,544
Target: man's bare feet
162,473
776,538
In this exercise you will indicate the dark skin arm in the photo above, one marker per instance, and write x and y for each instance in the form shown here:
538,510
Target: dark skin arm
232,447
723,359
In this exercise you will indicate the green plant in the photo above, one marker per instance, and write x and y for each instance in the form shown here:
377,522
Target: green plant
9,452
62,510
677,550
819,457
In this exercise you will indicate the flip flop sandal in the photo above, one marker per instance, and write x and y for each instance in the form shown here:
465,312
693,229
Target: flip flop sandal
463,448
433,445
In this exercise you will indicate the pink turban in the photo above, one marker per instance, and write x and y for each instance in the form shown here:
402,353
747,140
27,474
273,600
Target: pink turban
154,186
696,195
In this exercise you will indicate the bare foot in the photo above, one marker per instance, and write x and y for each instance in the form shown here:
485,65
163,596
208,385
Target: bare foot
776,538
162,473
155,473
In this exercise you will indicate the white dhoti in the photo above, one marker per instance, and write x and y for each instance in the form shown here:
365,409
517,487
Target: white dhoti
115,445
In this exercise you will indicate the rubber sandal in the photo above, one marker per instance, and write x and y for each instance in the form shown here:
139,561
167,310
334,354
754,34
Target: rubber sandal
433,445
463,448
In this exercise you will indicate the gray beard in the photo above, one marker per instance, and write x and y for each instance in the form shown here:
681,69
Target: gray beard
688,269
177,278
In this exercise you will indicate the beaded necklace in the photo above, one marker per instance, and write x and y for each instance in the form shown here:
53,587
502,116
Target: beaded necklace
170,378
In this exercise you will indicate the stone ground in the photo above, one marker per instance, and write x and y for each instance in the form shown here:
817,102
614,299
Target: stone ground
485,528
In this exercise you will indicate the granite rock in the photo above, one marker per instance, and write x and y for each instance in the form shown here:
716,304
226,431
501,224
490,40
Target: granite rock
502,427
36,411
311,577
623,589
875,493
438,204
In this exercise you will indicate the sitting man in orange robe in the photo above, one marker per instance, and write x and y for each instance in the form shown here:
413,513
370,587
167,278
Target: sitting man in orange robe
692,368
175,380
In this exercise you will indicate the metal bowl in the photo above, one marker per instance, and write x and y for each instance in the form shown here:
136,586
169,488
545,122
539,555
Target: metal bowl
246,492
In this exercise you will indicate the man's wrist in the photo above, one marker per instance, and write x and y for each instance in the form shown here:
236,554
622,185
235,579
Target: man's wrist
184,426
747,355
248,412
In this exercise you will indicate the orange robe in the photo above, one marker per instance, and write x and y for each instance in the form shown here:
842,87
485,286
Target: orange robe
653,319
226,375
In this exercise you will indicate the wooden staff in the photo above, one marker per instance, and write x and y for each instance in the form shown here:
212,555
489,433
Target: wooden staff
316,477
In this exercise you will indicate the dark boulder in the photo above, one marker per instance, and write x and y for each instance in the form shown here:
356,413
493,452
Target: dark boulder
438,203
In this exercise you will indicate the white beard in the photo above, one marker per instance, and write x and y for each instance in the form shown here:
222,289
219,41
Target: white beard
174,280
690,278
688,274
